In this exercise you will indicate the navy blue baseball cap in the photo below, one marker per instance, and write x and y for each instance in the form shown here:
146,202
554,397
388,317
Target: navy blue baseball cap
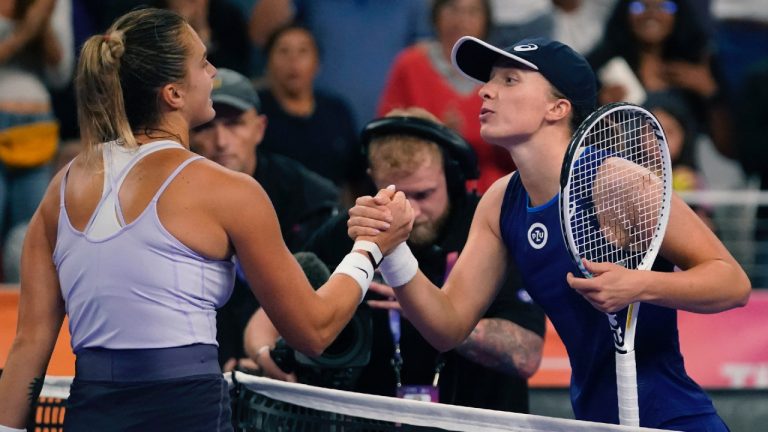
567,70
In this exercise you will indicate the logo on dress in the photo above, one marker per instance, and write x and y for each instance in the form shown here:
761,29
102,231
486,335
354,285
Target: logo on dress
537,235
526,47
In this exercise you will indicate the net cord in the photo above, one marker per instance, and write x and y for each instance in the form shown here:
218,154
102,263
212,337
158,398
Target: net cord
416,413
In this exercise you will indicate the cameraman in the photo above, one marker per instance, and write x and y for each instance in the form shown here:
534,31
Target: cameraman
430,163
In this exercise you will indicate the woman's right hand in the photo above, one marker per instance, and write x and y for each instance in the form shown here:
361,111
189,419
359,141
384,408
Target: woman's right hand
386,219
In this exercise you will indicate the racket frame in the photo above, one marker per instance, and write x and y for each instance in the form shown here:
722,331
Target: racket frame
626,370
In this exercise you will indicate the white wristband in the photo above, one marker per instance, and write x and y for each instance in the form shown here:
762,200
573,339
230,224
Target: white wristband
373,250
399,267
10,429
358,267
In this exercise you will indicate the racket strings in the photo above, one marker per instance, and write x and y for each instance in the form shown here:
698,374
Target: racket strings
615,190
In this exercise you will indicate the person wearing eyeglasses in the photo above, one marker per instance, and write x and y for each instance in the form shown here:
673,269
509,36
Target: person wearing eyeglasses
667,48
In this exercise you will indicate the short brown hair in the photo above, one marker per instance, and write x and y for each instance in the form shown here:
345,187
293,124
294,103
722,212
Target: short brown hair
402,154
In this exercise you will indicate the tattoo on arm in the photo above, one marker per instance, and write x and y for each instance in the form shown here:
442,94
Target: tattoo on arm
35,387
504,346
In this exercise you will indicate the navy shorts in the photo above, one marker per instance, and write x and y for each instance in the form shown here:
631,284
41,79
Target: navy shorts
138,390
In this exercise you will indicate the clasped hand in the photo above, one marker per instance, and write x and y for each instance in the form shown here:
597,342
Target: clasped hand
386,219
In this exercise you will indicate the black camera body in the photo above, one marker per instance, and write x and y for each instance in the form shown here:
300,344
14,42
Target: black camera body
340,364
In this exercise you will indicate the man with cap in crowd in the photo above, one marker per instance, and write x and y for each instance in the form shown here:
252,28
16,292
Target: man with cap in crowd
429,162
302,199
534,94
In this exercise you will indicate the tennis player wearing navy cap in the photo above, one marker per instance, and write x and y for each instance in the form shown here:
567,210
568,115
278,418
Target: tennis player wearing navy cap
534,94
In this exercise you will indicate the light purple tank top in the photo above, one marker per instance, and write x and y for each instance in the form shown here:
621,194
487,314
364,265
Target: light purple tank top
138,287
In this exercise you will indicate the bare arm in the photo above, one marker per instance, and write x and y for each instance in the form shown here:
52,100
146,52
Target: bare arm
309,320
503,346
52,51
30,26
446,316
495,343
267,16
59,46
711,280
41,312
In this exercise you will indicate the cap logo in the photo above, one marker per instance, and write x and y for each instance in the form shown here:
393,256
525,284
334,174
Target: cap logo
526,47
217,83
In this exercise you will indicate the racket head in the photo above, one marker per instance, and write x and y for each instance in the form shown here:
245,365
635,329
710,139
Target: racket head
616,188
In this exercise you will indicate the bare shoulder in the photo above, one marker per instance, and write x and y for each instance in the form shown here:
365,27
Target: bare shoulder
489,209
212,209
226,192
218,179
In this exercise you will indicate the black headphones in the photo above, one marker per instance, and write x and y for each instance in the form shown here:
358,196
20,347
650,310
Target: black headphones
456,150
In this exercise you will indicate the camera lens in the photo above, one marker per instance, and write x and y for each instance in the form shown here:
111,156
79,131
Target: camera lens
352,348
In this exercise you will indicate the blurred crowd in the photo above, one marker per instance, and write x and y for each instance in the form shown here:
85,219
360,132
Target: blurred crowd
324,68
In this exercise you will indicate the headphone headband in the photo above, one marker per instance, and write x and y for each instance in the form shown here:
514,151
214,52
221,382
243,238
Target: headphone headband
453,144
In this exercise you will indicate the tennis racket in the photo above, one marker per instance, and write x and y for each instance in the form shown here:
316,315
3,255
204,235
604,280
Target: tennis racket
615,193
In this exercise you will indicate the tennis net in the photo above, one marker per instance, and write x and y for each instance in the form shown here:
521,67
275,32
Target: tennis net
261,404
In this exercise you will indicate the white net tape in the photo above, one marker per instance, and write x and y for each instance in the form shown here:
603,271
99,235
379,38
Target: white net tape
417,413
410,412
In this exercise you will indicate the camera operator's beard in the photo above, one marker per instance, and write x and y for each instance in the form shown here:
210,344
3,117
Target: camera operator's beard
426,233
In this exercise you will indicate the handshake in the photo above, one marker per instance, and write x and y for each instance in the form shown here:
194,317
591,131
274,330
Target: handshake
386,220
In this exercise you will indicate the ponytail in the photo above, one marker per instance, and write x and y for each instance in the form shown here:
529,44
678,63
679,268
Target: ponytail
120,75
100,105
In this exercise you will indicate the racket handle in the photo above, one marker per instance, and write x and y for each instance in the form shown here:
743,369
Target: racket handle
626,384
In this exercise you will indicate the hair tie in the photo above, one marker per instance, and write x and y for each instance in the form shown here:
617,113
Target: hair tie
107,37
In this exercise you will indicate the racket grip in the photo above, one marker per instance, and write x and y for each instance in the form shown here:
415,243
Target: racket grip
626,384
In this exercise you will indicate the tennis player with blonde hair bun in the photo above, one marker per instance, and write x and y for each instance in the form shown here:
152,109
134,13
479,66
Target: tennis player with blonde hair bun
535,93
135,241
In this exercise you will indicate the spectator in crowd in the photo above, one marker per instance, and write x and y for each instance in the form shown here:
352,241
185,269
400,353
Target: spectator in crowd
429,162
667,49
302,199
309,125
36,54
358,41
580,23
422,76
135,241
222,28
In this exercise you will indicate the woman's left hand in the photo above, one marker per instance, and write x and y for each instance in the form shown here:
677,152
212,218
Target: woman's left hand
612,286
